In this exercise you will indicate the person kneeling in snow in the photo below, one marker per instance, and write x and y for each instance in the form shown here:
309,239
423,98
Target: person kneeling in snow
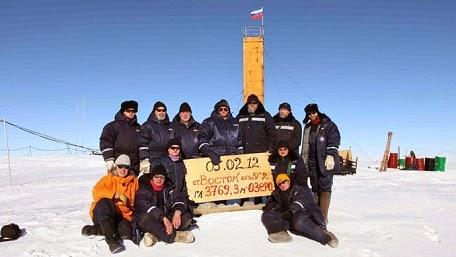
292,207
161,211
112,207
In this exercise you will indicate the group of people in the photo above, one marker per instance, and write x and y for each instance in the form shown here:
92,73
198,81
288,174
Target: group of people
144,196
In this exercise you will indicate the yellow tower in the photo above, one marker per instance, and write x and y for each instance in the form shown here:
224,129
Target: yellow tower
253,59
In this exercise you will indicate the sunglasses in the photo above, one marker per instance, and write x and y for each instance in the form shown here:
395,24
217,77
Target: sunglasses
131,111
174,147
159,176
253,103
283,182
223,109
160,110
123,166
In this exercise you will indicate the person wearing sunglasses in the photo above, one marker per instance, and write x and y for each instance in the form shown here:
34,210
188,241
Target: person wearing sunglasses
292,208
121,136
154,136
287,127
219,134
112,206
320,152
174,165
161,212
188,130
257,130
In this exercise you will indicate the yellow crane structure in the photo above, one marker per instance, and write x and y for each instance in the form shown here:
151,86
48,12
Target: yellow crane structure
253,62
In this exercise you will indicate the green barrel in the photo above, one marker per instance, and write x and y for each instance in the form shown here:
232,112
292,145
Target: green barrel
401,164
440,163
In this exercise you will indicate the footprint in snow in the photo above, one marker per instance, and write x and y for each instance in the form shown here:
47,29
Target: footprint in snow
431,233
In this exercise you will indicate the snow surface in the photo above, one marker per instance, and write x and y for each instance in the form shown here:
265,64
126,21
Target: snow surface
395,213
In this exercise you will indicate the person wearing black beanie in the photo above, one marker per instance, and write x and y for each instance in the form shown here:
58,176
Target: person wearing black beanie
287,127
320,152
188,129
154,136
121,136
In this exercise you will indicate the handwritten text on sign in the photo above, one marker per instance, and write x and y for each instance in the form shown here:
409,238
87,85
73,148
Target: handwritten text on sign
237,176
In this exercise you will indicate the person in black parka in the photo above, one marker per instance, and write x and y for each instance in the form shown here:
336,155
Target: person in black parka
174,165
257,130
219,134
161,211
257,127
121,137
287,127
188,129
154,136
320,152
284,160
292,207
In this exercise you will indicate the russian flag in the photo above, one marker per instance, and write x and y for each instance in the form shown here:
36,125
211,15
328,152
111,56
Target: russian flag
257,14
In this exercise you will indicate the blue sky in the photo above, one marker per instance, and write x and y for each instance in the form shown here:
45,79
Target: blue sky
372,66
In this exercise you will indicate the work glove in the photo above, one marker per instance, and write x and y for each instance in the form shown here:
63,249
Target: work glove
110,165
215,158
329,162
144,166
121,197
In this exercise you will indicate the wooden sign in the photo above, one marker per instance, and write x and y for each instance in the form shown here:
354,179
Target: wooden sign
237,176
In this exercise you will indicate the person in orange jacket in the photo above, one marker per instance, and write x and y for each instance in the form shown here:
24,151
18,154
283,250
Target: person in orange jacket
112,206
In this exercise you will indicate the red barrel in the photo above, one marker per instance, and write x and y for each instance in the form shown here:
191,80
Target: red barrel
410,163
420,164
392,161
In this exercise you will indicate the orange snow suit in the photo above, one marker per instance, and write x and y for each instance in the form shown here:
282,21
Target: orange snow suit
109,185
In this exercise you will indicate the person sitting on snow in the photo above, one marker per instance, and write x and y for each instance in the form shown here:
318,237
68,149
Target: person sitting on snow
112,206
161,211
292,207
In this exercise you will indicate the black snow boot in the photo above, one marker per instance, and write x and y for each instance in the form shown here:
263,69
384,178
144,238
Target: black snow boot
91,230
331,239
111,237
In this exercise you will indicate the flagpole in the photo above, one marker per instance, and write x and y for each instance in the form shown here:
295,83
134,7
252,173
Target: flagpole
262,18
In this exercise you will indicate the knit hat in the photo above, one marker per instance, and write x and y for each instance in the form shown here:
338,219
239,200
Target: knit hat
310,108
129,105
158,170
123,159
253,98
185,107
285,106
174,141
221,103
157,105
281,178
10,232
283,143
